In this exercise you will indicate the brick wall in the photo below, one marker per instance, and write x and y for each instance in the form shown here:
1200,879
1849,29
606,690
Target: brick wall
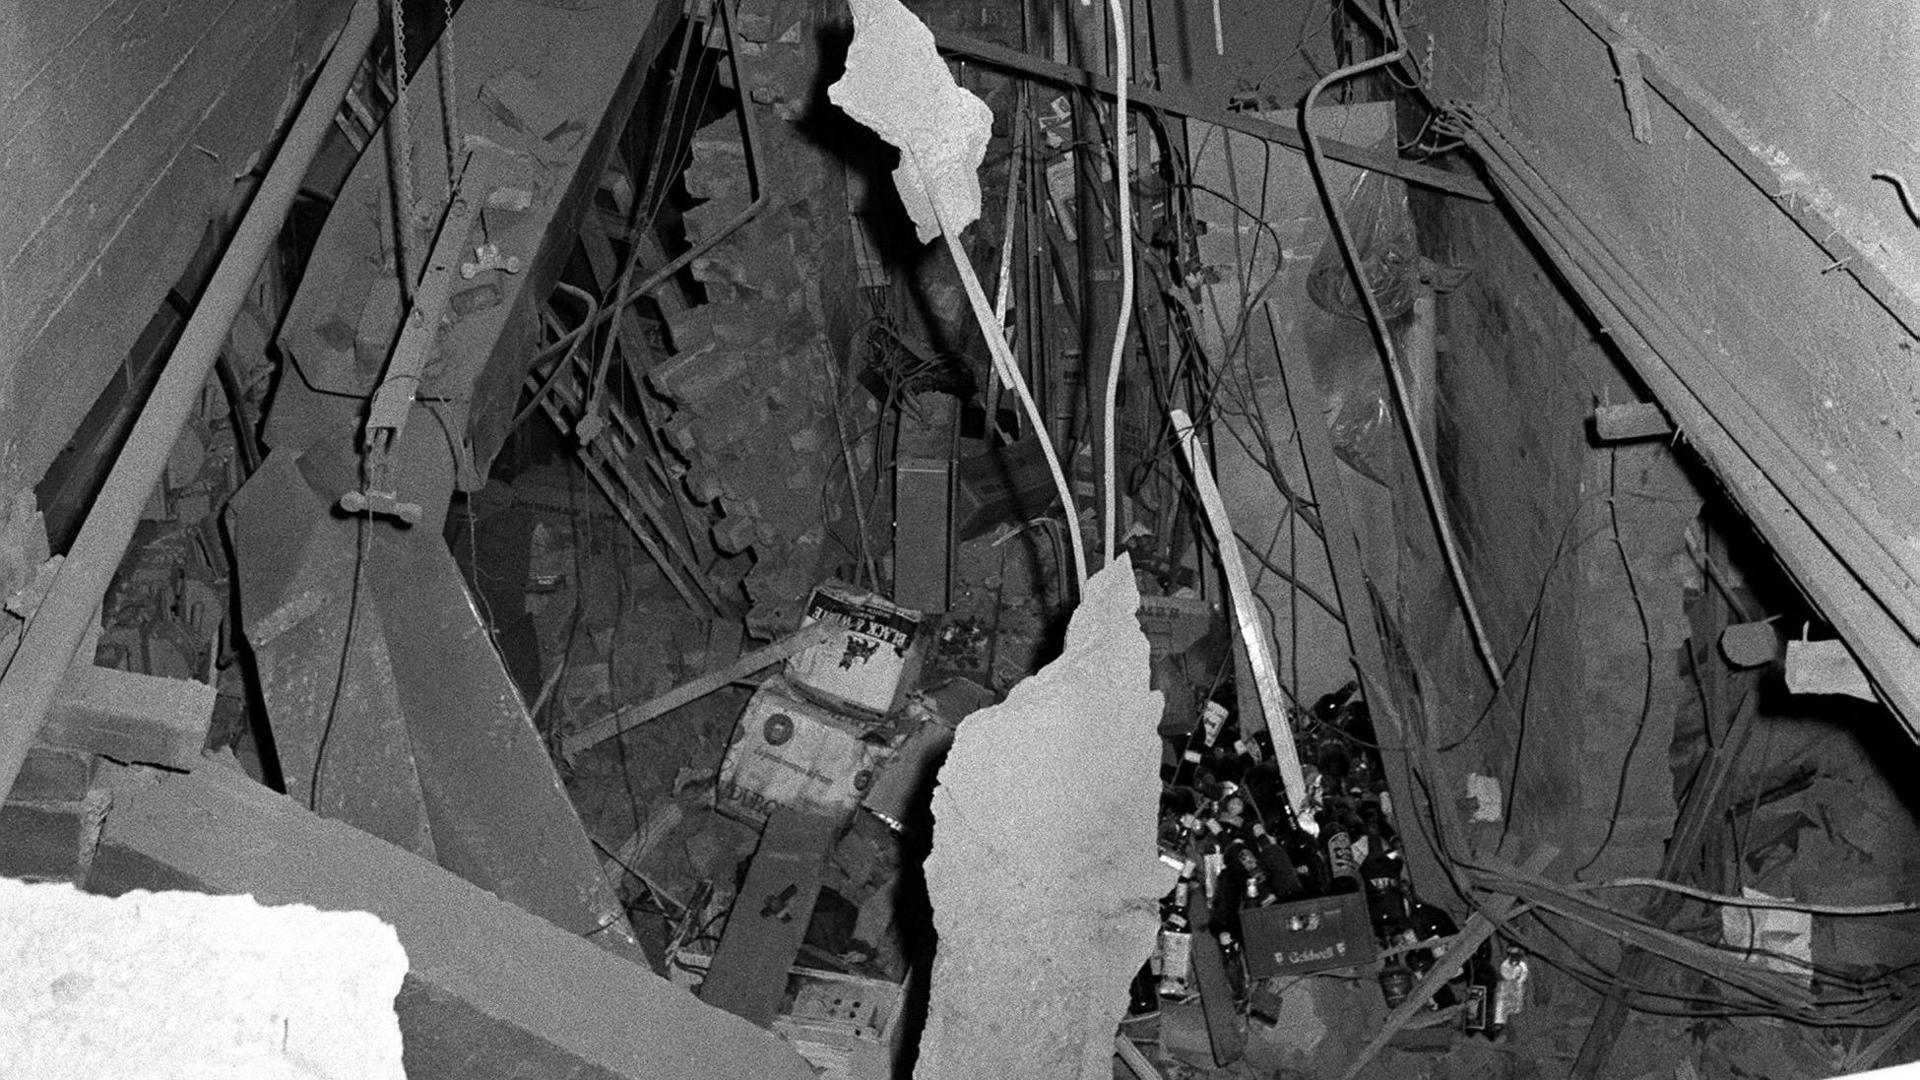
123,127
1566,542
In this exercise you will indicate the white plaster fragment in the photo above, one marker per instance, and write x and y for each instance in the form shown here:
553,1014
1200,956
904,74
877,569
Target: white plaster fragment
182,985
1489,805
897,85
1043,875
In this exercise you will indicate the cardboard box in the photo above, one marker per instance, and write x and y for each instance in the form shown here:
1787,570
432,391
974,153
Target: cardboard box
1305,936
788,752
1173,624
867,669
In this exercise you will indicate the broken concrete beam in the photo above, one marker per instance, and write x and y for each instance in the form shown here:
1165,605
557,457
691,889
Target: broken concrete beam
1045,822
117,987
492,992
130,717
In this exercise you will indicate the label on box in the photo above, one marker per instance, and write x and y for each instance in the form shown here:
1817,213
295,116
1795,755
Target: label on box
1305,936
1173,624
868,667
787,752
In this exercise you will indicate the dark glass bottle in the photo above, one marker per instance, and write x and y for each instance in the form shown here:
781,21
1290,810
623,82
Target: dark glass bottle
1483,983
1396,982
1430,922
1386,896
1343,870
1309,865
1282,875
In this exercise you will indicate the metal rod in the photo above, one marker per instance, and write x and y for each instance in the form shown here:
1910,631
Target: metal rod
72,605
1274,131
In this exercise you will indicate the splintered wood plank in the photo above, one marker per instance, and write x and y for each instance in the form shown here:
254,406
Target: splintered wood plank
769,920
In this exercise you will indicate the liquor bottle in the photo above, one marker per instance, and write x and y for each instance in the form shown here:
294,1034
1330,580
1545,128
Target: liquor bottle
1386,897
1328,707
1282,875
1342,869
1483,982
1510,999
1309,862
1396,981
1430,922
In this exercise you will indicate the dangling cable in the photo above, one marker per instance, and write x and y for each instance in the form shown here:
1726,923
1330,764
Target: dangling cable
1110,498
1383,336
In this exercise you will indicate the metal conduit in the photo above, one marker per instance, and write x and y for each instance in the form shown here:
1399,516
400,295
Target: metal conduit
72,605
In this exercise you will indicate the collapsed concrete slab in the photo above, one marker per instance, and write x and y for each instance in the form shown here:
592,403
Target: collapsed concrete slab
1043,875
492,992
179,984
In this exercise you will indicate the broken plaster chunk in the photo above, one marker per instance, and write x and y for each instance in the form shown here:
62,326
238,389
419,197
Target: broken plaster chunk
897,85
1826,667
178,984
1051,799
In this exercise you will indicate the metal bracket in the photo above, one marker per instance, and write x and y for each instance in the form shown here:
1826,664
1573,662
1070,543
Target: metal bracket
393,399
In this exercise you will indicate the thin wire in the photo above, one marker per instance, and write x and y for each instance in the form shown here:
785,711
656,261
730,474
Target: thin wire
364,522
1646,631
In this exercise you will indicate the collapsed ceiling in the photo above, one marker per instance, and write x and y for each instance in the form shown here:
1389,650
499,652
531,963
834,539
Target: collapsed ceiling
1375,565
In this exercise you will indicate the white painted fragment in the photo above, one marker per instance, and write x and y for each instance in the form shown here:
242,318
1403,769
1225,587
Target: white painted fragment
176,985
1044,876
897,85
1826,667
1774,938
1489,805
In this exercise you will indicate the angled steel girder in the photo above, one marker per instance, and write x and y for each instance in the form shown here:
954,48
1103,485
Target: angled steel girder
390,707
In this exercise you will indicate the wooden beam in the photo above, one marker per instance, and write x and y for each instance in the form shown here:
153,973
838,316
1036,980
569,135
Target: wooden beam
770,916
491,992
1759,159
1626,423
130,717
1353,592
623,720
1270,130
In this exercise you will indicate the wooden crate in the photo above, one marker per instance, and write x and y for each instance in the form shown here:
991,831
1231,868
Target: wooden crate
846,1025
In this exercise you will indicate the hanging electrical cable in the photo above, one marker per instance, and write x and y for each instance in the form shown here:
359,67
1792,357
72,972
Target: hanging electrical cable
1110,497
1383,337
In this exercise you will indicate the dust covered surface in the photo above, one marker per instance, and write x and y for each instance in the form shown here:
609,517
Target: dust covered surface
1043,873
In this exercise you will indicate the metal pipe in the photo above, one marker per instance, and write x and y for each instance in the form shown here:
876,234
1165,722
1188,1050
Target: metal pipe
72,605
1383,336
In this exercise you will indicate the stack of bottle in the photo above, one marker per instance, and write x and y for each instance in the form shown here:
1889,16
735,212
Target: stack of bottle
1227,822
